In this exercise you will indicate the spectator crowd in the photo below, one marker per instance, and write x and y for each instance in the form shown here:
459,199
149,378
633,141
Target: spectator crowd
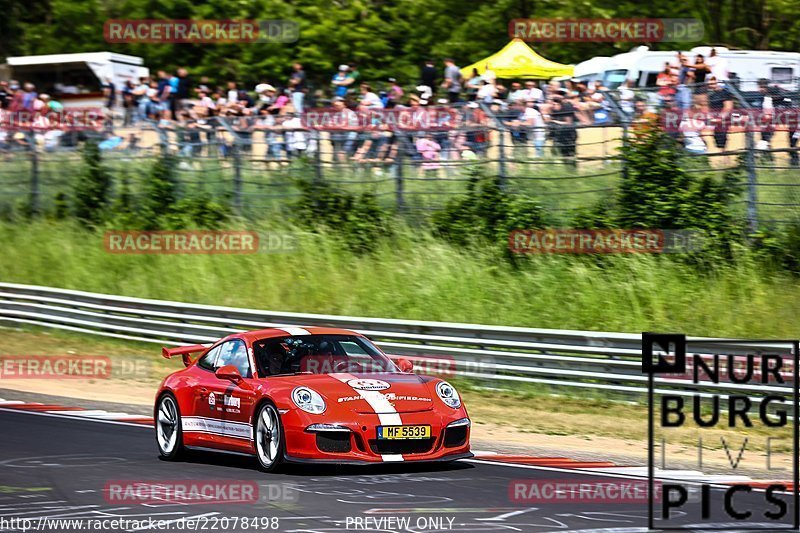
203,115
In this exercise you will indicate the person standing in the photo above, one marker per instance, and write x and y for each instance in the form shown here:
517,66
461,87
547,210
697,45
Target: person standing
140,94
128,103
341,81
720,103
395,93
452,81
429,75
565,132
532,92
110,93
297,84
184,89
369,99
718,66
701,72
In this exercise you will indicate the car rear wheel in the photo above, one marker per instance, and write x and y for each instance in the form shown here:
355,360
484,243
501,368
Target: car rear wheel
269,438
168,428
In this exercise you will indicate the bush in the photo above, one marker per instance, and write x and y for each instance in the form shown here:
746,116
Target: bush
780,247
161,192
486,214
656,190
93,188
358,219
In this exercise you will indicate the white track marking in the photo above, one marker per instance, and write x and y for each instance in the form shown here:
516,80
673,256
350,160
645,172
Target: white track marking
56,414
91,414
599,472
183,519
690,475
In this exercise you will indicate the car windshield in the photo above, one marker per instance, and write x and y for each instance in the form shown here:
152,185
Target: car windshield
319,354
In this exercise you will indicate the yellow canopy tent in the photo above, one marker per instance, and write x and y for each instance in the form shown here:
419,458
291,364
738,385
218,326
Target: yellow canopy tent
518,60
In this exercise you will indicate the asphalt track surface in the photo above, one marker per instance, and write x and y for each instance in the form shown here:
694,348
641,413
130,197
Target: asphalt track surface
60,468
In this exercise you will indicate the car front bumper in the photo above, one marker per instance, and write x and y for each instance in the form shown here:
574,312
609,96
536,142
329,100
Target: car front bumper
356,442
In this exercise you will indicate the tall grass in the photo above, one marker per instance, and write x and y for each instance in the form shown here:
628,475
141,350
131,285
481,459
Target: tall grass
418,277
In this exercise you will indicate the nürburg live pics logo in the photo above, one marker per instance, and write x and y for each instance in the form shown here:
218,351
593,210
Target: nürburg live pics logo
722,433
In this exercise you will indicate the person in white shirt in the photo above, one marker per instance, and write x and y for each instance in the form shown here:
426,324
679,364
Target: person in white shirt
533,119
532,92
488,75
233,93
487,93
517,93
719,65
626,97
369,99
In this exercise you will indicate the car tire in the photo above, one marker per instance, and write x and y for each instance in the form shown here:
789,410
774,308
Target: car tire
169,435
268,436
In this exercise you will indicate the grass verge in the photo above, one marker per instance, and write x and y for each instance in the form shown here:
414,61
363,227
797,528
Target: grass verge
415,276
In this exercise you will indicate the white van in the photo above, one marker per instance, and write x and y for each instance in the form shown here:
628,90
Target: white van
643,65
591,69
76,80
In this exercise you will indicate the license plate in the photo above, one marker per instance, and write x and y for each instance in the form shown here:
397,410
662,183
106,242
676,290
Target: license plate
403,432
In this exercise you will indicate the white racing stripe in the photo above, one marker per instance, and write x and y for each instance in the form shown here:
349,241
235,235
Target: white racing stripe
213,426
387,414
291,330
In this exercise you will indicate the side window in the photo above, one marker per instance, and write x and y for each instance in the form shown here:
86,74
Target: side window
207,361
234,353
782,74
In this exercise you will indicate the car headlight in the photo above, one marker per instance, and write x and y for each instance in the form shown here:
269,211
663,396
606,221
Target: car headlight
308,400
447,393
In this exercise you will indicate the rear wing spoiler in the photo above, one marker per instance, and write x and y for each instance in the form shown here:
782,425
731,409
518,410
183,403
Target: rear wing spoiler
184,351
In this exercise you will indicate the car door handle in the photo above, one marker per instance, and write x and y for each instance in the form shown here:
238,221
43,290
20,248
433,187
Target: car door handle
203,392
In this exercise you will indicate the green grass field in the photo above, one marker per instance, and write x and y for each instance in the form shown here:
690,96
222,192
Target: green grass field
415,276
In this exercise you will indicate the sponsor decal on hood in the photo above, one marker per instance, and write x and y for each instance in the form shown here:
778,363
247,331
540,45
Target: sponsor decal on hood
368,384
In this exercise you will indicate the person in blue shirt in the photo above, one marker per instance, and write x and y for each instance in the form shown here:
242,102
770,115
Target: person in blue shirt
341,82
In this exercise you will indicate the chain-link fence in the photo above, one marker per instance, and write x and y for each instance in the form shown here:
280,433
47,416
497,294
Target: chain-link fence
563,151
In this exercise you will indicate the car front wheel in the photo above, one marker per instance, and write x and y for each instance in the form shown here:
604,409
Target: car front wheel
269,438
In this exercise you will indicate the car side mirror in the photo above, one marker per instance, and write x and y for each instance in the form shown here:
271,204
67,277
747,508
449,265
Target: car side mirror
405,365
229,372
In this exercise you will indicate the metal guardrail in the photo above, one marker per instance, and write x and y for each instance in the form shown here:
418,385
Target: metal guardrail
599,361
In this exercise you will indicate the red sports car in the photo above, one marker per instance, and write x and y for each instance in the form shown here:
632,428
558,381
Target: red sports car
316,395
